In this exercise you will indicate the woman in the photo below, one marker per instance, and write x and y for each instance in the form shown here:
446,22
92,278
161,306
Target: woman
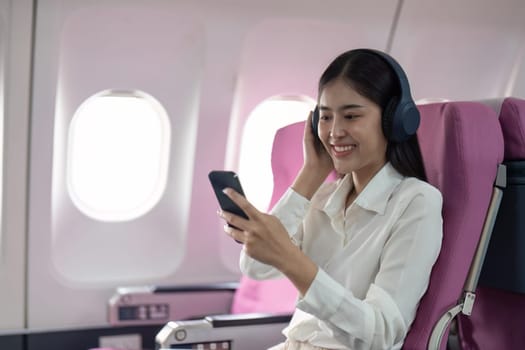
359,250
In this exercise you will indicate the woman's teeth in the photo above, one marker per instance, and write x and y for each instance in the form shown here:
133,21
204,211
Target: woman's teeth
344,148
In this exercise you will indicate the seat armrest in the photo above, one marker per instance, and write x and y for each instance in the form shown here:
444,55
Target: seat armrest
145,305
242,331
234,320
197,288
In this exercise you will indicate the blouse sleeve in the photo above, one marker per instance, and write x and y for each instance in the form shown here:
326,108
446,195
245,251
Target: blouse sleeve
383,317
290,210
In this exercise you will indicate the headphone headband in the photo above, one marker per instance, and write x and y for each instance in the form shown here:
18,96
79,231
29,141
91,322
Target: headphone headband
400,116
404,86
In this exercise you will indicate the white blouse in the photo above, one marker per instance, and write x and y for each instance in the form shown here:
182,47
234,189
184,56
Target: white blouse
374,259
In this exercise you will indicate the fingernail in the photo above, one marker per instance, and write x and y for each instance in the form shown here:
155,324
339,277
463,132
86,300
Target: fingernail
226,190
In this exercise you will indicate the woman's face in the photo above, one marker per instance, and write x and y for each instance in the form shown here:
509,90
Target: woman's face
350,130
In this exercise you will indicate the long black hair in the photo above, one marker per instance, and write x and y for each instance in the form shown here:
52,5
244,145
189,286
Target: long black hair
374,79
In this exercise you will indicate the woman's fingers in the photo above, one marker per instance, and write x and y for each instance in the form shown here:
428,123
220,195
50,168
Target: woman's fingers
242,202
234,220
234,233
264,237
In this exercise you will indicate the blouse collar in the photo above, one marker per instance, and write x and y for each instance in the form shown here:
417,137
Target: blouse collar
374,196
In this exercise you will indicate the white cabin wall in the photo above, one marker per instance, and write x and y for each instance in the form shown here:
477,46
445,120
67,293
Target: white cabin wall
128,48
516,83
15,67
83,48
460,50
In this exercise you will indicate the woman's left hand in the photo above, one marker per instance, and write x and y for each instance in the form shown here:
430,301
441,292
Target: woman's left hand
263,235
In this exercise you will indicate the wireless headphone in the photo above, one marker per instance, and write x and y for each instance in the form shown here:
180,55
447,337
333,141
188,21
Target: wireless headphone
400,118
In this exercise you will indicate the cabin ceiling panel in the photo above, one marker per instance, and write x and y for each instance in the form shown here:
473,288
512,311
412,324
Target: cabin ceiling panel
460,49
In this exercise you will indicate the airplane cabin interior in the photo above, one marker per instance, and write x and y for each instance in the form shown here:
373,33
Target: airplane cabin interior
114,112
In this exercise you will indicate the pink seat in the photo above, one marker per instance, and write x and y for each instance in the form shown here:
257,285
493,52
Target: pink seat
462,145
275,296
499,312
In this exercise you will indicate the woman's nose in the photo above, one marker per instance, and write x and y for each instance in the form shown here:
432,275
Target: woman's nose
337,130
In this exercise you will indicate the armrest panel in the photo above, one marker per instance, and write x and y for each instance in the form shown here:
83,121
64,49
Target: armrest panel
159,304
252,335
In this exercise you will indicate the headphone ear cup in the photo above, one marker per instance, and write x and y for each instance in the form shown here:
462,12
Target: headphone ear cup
400,120
409,121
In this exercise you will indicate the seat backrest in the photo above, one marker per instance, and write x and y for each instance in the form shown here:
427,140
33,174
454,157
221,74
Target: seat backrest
461,145
499,311
512,120
279,295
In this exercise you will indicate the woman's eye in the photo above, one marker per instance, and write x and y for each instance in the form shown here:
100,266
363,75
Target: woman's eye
324,117
351,116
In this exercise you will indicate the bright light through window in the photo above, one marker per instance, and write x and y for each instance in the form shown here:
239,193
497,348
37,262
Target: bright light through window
255,168
118,149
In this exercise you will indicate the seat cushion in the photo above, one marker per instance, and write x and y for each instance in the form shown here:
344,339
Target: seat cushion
269,296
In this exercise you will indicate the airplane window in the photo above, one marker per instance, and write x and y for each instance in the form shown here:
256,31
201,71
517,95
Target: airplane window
118,148
269,116
429,100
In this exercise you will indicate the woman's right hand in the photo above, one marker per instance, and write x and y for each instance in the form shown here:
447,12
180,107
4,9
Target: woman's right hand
317,163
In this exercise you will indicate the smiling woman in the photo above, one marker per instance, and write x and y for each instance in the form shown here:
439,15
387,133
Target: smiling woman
359,250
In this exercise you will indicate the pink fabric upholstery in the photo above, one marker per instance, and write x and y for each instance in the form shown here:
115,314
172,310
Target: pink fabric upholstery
269,296
287,158
275,296
498,316
512,120
462,145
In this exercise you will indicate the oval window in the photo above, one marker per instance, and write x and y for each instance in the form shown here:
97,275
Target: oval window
117,156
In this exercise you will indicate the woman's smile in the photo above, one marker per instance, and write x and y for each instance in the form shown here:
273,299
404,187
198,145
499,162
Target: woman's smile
341,151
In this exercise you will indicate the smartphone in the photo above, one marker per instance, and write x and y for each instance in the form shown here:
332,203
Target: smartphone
220,179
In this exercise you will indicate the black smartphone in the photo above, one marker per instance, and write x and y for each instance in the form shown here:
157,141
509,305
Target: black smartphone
220,179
